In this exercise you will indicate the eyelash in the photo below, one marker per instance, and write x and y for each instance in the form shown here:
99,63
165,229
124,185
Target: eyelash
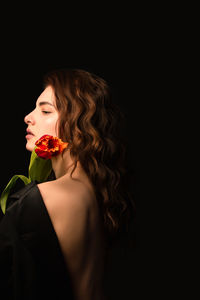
46,112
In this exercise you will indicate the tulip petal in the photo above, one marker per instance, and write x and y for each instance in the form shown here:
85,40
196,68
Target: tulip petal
48,146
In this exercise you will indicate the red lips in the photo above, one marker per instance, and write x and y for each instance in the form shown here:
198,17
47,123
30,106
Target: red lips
29,134
29,131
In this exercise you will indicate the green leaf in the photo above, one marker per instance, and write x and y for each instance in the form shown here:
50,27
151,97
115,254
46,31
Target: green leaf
39,168
11,183
33,156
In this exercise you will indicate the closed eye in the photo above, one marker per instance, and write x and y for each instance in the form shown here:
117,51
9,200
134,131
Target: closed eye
46,112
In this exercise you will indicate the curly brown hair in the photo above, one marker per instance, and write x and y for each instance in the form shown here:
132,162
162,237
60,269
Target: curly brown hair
92,123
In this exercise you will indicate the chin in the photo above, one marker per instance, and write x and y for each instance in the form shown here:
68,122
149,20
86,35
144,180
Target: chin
29,146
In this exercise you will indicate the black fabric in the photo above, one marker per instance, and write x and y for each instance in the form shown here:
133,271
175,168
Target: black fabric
31,262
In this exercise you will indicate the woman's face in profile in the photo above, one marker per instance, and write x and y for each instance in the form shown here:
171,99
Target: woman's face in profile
42,120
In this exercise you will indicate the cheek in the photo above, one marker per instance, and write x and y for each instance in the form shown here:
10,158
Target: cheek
49,127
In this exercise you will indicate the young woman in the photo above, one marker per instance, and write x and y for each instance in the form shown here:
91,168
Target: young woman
54,234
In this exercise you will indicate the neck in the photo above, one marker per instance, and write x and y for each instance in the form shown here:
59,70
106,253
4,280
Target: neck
63,165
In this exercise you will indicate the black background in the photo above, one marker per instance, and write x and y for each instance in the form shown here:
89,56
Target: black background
142,51
111,48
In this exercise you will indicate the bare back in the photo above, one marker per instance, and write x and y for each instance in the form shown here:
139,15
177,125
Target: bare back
74,213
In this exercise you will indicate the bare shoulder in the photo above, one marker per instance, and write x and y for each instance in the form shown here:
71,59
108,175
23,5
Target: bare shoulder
74,214
59,194
66,203
61,199
70,208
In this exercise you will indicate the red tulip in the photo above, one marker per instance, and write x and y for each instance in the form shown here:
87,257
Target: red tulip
49,146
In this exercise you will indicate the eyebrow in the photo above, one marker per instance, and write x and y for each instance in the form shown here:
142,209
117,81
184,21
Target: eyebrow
45,102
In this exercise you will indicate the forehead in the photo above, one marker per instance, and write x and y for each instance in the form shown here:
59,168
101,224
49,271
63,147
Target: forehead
47,95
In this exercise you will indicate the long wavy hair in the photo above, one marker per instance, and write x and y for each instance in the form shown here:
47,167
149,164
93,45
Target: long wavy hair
91,122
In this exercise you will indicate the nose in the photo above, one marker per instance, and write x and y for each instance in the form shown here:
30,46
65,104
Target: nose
29,119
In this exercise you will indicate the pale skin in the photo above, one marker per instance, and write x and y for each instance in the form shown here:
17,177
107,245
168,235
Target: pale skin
71,205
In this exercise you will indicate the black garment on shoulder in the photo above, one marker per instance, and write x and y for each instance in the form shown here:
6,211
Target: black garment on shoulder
31,262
